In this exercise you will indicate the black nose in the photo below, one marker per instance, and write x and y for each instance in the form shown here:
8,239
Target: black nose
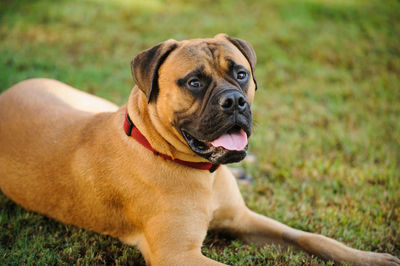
231,101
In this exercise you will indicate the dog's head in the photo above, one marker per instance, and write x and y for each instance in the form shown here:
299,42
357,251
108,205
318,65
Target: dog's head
201,90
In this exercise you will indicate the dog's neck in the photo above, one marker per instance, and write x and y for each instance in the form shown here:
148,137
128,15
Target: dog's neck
132,131
160,138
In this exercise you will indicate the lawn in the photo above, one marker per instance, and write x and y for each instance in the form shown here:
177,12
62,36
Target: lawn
327,113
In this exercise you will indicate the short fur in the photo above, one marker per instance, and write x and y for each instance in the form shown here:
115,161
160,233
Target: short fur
64,154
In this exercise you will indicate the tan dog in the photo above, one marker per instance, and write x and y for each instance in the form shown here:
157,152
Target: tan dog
66,154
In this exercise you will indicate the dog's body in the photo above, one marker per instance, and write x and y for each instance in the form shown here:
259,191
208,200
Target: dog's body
64,153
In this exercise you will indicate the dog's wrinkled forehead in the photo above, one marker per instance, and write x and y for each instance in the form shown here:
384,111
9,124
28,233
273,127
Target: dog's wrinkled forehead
211,55
176,58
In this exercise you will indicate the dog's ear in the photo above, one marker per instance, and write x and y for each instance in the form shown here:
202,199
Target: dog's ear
145,67
246,49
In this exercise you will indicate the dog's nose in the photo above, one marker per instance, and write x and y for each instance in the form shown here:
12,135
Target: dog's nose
231,101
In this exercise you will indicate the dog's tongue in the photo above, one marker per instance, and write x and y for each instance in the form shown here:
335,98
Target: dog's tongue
233,141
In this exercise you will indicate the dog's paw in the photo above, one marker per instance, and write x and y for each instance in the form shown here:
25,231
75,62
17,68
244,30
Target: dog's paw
382,259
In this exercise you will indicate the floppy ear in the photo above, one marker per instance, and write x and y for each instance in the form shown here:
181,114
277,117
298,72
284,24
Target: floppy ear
246,49
145,67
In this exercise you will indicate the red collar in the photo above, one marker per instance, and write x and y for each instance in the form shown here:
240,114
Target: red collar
133,132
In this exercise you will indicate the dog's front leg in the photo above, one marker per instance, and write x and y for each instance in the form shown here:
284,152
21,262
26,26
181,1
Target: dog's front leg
257,228
233,216
175,239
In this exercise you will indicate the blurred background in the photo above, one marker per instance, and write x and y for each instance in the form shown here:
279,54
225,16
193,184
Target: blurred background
327,112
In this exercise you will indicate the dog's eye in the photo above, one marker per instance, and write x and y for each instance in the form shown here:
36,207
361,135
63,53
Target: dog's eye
241,75
194,83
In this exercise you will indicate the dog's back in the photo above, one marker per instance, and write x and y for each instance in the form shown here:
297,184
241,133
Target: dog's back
40,124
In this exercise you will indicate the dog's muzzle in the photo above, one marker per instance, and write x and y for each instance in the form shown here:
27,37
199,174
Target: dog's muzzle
221,133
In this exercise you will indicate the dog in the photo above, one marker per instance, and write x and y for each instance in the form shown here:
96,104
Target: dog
152,172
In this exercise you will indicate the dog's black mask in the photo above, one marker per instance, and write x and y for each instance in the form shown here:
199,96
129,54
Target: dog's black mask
219,120
219,129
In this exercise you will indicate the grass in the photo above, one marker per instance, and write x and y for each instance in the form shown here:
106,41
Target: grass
327,112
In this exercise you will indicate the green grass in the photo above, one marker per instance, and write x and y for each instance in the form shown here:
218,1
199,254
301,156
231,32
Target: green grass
327,112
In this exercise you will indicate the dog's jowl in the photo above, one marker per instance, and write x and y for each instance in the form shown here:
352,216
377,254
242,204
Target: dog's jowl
152,172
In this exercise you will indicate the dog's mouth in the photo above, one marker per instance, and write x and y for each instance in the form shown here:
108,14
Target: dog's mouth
228,147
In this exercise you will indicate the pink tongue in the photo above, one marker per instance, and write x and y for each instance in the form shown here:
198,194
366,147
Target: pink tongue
235,141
